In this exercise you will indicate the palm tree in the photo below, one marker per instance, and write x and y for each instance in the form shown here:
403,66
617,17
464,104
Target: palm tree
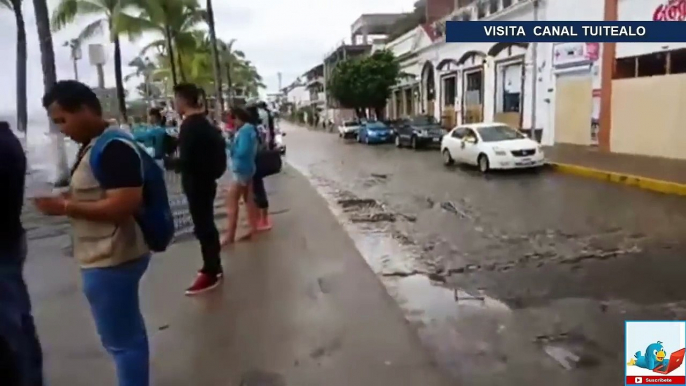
112,17
22,115
47,53
175,21
216,67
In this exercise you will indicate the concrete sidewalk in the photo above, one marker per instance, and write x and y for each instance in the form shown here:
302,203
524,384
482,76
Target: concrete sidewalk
299,307
657,174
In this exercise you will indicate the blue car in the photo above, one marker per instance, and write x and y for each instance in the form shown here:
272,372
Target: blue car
374,132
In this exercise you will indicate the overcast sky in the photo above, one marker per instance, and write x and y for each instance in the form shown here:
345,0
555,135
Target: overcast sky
287,36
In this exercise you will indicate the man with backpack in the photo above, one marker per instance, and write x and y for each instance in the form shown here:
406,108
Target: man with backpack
119,210
202,161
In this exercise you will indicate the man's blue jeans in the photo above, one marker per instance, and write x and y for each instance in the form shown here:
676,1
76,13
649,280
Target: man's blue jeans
21,357
113,295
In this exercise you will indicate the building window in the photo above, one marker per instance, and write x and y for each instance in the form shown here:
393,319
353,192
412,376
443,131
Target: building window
493,6
677,62
449,90
507,3
509,88
473,88
653,64
481,10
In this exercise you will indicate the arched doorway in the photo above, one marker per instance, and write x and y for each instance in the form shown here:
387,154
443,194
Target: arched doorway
447,92
509,82
472,63
428,89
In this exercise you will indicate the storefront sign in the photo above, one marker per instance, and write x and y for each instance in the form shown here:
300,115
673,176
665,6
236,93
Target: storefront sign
672,10
575,54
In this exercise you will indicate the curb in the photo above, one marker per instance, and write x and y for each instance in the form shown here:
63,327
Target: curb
651,184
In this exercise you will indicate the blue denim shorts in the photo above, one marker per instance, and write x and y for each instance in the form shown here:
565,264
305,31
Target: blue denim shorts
242,179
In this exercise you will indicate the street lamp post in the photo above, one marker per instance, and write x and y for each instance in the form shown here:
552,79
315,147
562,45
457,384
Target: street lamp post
76,54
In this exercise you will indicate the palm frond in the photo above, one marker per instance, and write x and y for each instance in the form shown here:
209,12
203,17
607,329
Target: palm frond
7,4
94,28
68,10
132,26
160,43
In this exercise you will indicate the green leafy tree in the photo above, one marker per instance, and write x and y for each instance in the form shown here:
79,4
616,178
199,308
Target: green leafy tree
365,83
15,7
176,22
112,17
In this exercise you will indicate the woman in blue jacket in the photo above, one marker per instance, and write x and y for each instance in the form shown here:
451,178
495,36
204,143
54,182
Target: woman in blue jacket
242,155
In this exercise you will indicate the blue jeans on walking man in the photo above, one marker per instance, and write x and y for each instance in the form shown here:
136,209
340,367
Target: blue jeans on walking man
113,296
21,356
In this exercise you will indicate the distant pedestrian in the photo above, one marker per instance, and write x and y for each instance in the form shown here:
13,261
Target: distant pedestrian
109,244
202,158
243,152
264,222
21,358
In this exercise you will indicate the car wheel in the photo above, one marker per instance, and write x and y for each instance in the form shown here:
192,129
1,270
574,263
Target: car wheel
359,139
398,143
413,143
447,158
484,164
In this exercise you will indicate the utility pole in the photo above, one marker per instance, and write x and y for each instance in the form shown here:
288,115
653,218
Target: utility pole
534,75
278,75
76,55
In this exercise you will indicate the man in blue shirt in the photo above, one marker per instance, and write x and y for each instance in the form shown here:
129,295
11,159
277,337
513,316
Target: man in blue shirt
21,358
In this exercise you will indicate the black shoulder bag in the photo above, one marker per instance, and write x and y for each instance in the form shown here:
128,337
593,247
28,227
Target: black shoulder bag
267,161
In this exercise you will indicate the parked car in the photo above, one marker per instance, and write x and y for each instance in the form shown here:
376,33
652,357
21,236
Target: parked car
417,132
374,132
278,141
393,125
349,129
491,146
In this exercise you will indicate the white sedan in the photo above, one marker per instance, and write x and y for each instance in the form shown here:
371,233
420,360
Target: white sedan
491,146
349,129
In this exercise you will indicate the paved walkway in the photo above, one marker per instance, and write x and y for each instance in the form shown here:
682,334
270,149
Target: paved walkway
299,307
633,165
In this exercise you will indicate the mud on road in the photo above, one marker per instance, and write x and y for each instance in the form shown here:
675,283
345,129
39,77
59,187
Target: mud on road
520,277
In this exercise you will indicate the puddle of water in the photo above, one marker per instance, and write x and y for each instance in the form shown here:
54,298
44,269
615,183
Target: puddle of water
436,303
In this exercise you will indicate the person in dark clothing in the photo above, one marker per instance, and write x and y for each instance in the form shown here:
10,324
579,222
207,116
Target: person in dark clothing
264,222
21,357
196,136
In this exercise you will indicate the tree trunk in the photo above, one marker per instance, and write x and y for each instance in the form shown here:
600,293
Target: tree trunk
21,68
119,80
229,85
170,53
182,73
216,67
47,52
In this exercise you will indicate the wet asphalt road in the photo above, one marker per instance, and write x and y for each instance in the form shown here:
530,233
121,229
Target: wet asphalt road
499,272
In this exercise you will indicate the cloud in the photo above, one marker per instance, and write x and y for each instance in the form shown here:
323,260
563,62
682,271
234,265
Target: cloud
286,37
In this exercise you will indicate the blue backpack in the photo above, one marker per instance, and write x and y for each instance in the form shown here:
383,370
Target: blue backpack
155,217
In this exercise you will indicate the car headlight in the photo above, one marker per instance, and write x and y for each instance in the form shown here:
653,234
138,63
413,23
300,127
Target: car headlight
423,133
499,151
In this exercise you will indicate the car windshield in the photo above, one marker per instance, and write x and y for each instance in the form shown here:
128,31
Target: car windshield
376,126
350,124
423,121
499,133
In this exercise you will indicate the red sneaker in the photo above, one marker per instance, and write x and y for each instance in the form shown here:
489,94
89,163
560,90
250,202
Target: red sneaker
203,283
264,225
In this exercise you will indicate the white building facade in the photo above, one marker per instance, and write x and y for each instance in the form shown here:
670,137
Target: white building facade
552,90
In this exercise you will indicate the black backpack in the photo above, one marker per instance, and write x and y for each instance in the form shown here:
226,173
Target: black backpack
218,155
